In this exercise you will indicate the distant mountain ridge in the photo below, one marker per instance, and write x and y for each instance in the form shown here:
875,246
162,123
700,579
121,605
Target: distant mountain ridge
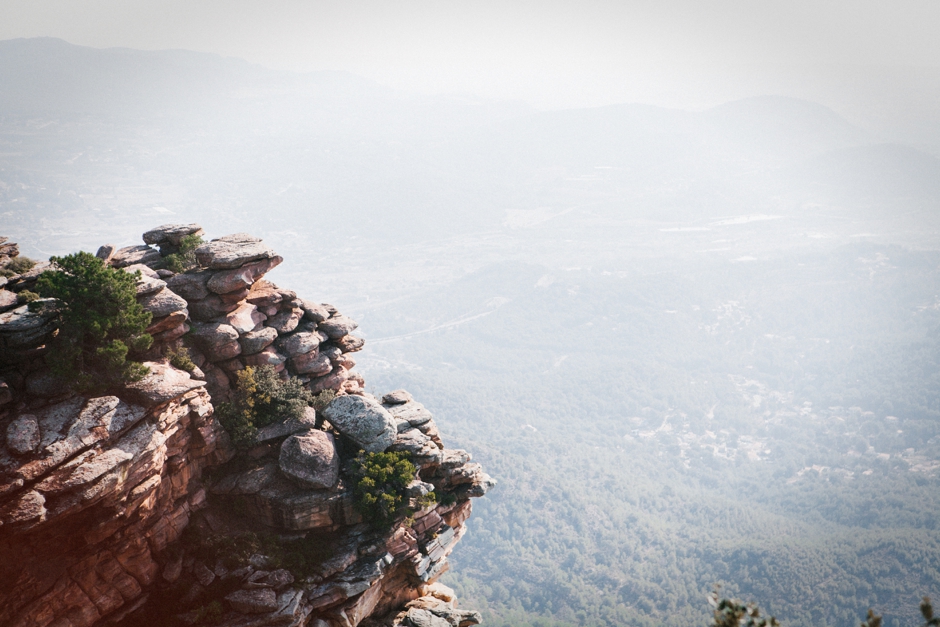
50,75
202,134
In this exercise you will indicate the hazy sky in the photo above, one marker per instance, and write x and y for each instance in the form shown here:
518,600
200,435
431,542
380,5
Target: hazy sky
549,53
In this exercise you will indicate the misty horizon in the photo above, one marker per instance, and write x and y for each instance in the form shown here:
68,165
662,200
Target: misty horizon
670,272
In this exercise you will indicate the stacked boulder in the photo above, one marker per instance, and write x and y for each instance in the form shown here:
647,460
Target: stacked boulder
295,487
233,316
96,492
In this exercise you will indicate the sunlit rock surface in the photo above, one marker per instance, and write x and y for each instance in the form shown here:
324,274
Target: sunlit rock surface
110,505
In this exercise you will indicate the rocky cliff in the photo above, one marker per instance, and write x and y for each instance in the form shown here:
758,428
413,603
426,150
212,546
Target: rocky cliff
135,508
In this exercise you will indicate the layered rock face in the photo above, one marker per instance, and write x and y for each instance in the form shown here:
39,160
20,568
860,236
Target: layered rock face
135,508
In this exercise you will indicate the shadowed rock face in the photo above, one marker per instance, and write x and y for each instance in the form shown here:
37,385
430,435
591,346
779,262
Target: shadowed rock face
98,489
95,493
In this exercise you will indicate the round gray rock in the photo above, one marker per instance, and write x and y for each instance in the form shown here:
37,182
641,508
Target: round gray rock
398,397
310,459
362,420
337,326
162,303
257,341
218,341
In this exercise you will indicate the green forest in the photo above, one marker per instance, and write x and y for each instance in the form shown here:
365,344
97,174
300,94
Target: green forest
771,427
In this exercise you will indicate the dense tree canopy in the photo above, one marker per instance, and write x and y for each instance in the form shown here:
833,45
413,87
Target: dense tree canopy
101,322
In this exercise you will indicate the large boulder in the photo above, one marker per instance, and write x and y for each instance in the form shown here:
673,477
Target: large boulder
312,363
314,311
310,459
149,285
245,318
130,255
299,343
218,341
162,303
285,321
362,420
171,234
22,327
232,251
337,326
210,308
228,281
190,285
350,343
161,384
398,397
257,341
267,357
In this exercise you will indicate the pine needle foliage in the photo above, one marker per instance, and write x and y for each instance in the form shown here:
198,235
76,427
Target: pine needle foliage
100,323
185,258
381,485
262,398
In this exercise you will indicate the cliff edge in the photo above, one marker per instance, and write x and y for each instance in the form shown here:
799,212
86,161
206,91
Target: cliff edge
137,507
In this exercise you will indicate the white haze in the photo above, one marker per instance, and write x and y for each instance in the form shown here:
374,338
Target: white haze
875,62
649,262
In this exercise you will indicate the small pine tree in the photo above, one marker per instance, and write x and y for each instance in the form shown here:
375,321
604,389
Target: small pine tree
381,485
100,323
185,258
262,398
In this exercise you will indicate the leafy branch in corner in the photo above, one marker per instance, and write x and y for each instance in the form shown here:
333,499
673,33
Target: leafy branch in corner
734,613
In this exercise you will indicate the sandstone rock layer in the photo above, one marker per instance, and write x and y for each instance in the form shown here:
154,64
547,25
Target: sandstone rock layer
97,492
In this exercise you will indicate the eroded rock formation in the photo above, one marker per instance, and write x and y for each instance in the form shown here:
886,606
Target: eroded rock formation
134,507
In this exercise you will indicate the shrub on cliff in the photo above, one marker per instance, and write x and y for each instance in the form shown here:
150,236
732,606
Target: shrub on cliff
261,398
17,265
185,258
381,485
100,323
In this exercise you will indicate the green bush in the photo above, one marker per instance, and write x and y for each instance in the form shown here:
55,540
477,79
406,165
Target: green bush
25,297
735,613
261,398
179,358
381,483
17,265
100,323
185,258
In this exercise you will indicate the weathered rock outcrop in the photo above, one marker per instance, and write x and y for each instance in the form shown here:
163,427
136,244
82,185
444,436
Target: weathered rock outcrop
134,508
